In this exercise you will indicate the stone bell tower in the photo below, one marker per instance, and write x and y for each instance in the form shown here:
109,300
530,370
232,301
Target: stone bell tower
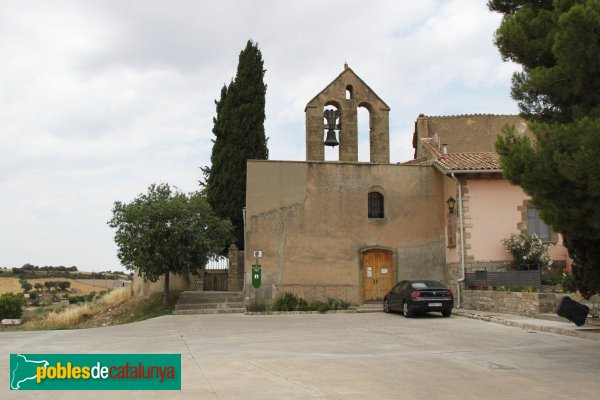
345,94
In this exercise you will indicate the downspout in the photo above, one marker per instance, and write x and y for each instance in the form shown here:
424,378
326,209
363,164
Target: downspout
245,245
462,238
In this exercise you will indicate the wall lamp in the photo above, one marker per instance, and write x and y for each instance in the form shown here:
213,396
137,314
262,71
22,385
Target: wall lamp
451,203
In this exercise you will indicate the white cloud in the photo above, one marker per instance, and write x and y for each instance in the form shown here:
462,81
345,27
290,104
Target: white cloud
101,99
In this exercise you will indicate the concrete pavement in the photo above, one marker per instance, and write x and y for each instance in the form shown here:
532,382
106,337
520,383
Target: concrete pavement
334,356
551,324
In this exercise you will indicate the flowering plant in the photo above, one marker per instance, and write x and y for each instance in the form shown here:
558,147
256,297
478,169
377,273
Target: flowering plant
528,251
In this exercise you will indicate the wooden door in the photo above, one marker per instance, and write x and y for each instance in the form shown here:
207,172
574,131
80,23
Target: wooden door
377,274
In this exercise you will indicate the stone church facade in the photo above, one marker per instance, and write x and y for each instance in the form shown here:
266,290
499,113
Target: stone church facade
350,229
311,219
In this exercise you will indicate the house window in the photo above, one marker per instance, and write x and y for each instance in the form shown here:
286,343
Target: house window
375,205
536,225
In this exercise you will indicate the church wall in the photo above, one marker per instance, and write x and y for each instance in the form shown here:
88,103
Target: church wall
310,221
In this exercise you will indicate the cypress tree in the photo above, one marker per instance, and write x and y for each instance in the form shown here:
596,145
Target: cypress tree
239,136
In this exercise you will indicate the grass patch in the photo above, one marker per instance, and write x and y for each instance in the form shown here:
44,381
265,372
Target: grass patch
115,307
151,307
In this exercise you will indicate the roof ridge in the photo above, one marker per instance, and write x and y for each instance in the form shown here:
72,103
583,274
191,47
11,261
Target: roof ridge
469,115
346,69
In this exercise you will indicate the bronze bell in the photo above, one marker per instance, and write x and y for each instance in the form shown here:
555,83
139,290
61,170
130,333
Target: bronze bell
331,140
331,116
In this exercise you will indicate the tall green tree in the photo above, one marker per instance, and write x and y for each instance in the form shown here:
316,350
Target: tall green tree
557,43
239,136
165,231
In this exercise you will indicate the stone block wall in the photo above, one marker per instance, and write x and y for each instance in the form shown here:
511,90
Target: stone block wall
521,303
347,293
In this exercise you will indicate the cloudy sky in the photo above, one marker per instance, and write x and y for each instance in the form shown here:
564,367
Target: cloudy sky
99,99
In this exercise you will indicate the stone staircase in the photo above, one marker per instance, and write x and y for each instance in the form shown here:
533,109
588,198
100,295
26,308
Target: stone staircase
370,307
197,302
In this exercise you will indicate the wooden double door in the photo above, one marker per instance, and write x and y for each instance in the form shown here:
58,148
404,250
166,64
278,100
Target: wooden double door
377,273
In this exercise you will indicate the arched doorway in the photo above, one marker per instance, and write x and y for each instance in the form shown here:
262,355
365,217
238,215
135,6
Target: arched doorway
377,273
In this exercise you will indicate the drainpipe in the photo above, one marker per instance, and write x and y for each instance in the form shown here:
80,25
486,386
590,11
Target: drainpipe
462,237
245,246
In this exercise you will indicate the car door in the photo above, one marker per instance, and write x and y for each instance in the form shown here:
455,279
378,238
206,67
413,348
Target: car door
403,291
393,299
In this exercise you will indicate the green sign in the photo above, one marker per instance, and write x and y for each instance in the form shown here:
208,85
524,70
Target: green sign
256,274
95,372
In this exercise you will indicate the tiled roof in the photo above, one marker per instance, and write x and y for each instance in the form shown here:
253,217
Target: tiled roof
469,161
467,115
466,161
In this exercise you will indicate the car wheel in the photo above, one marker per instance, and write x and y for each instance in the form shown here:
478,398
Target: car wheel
408,312
386,306
447,312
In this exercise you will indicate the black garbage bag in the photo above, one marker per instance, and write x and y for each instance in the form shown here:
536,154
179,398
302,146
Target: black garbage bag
572,310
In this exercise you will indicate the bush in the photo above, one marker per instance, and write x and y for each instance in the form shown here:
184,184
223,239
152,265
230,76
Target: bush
320,306
568,283
11,306
528,251
285,302
290,302
337,304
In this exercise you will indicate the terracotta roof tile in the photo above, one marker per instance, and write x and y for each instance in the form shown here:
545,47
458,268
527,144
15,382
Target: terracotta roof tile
469,161
466,161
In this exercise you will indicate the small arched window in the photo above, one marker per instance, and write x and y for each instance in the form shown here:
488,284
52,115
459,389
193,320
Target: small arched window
375,205
348,92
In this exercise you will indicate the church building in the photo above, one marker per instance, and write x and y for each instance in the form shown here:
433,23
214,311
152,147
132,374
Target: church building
351,230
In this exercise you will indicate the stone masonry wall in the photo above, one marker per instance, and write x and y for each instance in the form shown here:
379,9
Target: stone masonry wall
520,303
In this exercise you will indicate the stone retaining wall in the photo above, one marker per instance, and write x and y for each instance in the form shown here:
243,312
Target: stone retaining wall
520,303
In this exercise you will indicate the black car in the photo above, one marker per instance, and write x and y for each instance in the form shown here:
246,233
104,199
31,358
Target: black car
419,296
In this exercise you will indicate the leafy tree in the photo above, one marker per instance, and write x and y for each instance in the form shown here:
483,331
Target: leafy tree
63,285
558,90
38,286
27,267
26,286
164,231
50,284
11,306
239,136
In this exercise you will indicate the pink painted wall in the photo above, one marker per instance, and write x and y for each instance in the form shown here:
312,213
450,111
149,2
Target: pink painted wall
494,216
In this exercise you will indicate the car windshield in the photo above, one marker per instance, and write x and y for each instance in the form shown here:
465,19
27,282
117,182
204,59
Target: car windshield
426,285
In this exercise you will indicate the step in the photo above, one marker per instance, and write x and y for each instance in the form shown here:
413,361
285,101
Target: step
209,294
370,307
208,306
200,300
211,311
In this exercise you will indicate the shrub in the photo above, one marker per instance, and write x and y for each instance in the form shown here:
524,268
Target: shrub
302,305
337,304
319,306
290,302
11,306
285,302
528,251
568,282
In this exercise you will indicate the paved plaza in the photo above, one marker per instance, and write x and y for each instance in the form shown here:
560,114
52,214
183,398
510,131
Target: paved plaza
333,356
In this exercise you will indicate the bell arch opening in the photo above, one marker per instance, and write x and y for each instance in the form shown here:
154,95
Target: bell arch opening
332,121
363,125
349,90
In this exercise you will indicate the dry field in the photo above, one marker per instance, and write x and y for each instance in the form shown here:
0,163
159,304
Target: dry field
8,285
83,286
